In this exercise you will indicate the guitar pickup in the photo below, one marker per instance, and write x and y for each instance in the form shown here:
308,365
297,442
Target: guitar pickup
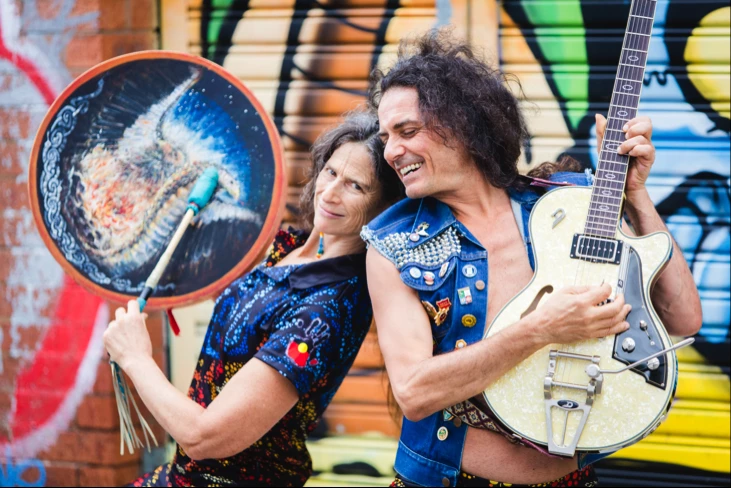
596,249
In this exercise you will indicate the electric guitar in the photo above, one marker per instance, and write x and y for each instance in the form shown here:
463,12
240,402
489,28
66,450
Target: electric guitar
603,394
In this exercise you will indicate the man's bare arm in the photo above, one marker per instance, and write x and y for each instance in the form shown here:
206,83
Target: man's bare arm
675,295
423,383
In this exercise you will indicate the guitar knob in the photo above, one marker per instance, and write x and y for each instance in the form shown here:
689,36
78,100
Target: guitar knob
653,364
593,371
628,344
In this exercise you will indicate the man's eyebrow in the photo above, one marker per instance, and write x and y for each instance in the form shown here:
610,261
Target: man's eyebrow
403,123
397,126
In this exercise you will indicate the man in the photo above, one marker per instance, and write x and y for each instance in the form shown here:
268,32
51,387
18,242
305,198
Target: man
454,133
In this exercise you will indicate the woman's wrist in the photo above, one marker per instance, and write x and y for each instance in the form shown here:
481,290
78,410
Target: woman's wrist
134,365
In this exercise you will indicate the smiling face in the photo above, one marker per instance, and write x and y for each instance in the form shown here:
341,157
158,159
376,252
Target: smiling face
347,194
426,166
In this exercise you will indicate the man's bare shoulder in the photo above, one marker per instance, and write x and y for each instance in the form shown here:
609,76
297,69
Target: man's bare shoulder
378,266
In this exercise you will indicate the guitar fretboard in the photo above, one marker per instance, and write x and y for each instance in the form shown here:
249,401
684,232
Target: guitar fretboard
611,173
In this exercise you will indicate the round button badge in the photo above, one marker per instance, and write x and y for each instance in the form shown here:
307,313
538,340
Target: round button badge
469,320
469,270
415,273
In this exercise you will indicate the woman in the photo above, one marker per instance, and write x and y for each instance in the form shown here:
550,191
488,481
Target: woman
281,338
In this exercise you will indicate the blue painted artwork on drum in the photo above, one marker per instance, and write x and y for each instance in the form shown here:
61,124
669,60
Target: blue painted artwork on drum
120,151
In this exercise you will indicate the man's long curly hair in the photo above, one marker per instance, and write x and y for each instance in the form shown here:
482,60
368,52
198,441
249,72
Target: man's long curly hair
465,102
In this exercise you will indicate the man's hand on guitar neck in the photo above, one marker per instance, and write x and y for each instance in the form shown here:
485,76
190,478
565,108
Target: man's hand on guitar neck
638,146
675,295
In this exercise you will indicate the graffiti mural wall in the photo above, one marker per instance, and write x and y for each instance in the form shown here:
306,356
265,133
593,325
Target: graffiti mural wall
565,53
52,408
53,336
308,61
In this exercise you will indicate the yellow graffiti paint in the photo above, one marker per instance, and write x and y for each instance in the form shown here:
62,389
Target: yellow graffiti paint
708,45
687,420
703,386
698,453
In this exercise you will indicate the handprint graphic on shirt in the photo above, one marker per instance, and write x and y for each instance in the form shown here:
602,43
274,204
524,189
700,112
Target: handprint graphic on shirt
300,348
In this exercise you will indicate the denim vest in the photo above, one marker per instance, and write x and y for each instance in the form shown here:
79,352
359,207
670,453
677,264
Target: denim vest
439,258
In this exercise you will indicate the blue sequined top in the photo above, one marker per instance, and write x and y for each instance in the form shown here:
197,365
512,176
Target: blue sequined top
307,321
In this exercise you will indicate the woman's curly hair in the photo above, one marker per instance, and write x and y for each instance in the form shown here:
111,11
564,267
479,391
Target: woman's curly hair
360,126
463,100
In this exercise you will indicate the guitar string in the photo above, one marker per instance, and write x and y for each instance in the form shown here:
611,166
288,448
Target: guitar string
608,158
619,99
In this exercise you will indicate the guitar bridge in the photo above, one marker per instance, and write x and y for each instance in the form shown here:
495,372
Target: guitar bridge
593,387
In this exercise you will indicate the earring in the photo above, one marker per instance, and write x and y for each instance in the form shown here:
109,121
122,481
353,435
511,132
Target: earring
321,247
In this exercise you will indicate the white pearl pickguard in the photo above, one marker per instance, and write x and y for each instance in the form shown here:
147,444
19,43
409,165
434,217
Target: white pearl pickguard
628,408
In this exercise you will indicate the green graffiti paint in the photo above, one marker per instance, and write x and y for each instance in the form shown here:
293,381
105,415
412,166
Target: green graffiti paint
567,13
218,17
566,44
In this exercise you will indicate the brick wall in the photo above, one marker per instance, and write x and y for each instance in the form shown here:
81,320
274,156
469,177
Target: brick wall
58,418
87,453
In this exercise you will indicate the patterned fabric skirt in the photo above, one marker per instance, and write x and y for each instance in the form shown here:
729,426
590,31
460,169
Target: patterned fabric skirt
159,477
581,477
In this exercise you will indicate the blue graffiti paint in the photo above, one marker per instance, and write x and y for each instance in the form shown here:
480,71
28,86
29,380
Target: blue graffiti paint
12,473
698,217
690,186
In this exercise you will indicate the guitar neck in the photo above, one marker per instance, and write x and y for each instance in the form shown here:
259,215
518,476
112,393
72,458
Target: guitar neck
611,173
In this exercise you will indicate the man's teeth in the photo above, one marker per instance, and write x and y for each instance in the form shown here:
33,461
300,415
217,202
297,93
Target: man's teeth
408,169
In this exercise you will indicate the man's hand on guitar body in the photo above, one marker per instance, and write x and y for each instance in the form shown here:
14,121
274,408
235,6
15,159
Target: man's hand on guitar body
572,314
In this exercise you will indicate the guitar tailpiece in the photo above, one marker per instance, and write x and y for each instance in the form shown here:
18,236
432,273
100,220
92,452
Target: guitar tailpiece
592,388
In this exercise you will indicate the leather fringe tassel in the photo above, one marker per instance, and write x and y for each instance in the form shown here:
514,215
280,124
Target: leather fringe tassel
128,434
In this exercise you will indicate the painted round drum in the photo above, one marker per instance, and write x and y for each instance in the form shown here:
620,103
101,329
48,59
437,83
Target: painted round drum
116,156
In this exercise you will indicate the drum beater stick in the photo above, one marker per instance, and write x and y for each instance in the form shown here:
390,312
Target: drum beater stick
199,197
